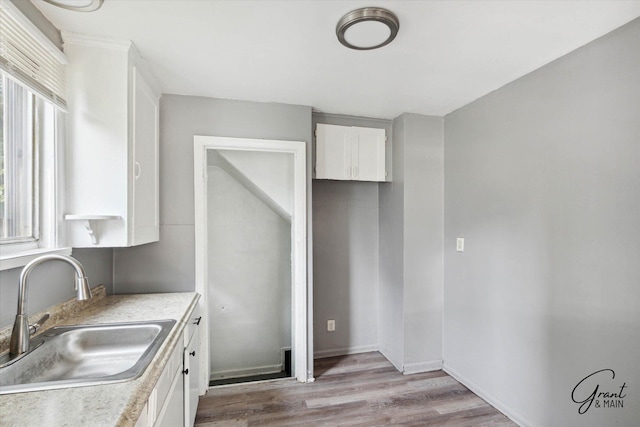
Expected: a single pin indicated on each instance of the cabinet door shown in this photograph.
(172, 414)
(368, 148)
(191, 383)
(350, 153)
(333, 152)
(144, 217)
(144, 420)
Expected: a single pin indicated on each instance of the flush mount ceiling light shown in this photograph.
(77, 5)
(367, 28)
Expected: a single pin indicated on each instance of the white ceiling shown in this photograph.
(446, 54)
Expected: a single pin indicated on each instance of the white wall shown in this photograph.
(542, 179)
(271, 172)
(249, 275)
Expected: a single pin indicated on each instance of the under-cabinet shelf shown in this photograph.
(89, 224)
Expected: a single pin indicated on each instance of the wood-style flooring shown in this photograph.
(357, 390)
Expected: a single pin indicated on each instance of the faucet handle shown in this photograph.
(34, 328)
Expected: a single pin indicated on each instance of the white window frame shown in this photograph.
(49, 179)
(49, 163)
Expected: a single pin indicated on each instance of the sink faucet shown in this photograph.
(21, 334)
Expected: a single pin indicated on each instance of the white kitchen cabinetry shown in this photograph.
(112, 146)
(174, 399)
(170, 409)
(350, 153)
(165, 405)
(191, 370)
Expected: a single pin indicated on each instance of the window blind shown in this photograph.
(29, 57)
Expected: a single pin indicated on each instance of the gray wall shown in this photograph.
(411, 239)
(391, 269)
(346, 255)
(542, 178)
(52, 282)
(423, 241)
(168, 265)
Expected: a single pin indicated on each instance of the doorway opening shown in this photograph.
(251, 258)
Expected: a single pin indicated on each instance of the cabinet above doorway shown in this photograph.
(350, 153)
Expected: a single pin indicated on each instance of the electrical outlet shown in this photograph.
(331, 325)
(460, 244)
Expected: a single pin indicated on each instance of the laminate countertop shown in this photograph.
(112, 405)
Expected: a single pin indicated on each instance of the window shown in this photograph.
(28, 172)
(32, 114)
(18, 171)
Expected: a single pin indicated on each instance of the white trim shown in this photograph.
(420, 367)
(321, 354)
(21, 259)
(508, 411)
(300, 285)
(385, 353)
(78, 39)
(69, 37)
(50, 184)
(239, 373)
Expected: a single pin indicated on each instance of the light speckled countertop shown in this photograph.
(110, 405)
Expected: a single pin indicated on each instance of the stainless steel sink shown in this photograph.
(74, 356)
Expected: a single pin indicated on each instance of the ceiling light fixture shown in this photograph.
(367, 28)
(77, 5)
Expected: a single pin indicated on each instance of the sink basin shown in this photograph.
(74, 356)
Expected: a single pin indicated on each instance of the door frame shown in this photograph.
(299, 318)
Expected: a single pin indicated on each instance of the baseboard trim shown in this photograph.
(239, 373)
(508, 411)
(420, 367)
(321, 354)
(387, 356)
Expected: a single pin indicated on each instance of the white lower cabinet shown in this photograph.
(191, 375)
(174, 400)
(171, 413)
(166, 400)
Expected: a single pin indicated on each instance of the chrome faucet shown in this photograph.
(21, 334)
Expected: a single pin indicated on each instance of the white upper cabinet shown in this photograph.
(112, 146)
(350, 153)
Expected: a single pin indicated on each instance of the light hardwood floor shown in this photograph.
(357, 390)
